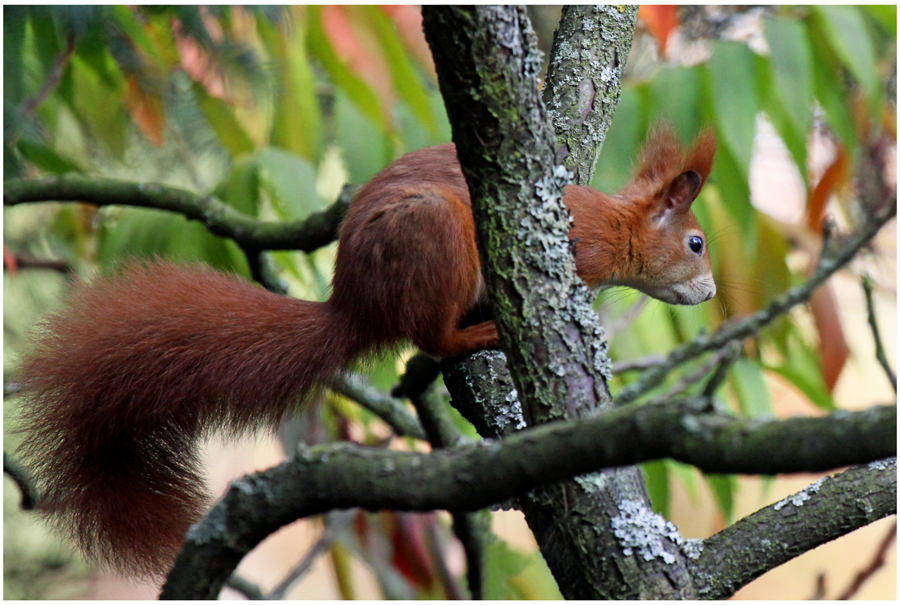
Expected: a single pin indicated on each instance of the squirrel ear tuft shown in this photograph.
(683, 190)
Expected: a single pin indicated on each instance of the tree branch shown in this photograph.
(487, 69)
(876, 334)
(306, 235)
(473, 476)
(826, 510)
(390, 410)
(581, 90)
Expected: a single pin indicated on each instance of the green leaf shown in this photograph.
(100, 107)
(146, 234)
(831, 94)
(136, 33)
(687, 476)
(790, 61)
(802, 368)
(297, 124)
(791, 69)
(14, 23)
(616, 163)
(657, 476)
(846, 33)
(735, 196)
(732, 79)
(771, 270)
(93, 51)
(355, 88)
(240, 188)
(45, 23)
(294, 179)
(364, 146)
(223, 122)
(723, 488)
(750, 387)
(404, 76)
(133, 233)
(675, 98)
(46, 158)
(514, 575)
(885, 15)
(409, 128)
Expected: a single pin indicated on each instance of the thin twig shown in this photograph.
(626, 318)
(877, 563)
(421, 371)
(335, 523)
(725, 360)
(245, 587)
(720, 362)
(29, 106)
(820, 590)
(392, 411)
(27, 261)
(470, 528)
(20, 476)
(434, 540)
(642, 363)
(264, 273)
(868, 286)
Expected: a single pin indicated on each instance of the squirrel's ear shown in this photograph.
(683, 190)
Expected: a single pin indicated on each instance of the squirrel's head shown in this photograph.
(673, 262)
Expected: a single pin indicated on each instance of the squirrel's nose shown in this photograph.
(711, 294)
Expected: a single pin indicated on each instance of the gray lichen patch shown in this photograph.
(508, 416)
(692, 548)
(883, 465)
(641, 531)
(593, 482)
(802, 496)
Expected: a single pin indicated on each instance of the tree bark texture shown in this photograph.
(581, 91)
(487, 69)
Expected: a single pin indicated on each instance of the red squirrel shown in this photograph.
(125, 380)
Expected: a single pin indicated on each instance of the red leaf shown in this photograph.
(410, 552)
(9, 261)
(660, 21)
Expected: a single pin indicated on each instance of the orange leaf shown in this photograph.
(833, 349)
(660, 21)
(147, 110)
(833, 177)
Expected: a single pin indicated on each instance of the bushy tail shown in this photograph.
(125, 380)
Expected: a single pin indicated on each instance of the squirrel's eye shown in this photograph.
(695, 244)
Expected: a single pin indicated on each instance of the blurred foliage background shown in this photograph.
(273, 109)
